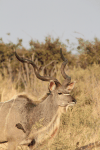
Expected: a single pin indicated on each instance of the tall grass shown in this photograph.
(81, 124)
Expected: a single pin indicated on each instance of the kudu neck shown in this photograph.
(48, 108)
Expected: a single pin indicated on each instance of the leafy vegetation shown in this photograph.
(90, 52)
(80, 125)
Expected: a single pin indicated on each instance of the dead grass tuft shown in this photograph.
(81, 124)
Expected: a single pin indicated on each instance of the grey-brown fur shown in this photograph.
(24, 122)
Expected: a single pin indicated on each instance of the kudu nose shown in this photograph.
(74, 100)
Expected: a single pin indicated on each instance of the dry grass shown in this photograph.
(81, 124)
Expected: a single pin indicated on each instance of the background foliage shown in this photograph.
(81, 124)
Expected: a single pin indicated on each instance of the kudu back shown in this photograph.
(23, 122)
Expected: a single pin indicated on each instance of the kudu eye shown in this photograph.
(59, 93)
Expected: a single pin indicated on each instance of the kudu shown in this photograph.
(23, 122)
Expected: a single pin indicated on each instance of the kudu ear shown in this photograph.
(70, 86)
(52, 85)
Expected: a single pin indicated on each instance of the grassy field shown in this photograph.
(81, 124)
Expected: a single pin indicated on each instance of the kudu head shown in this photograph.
(60, 92)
